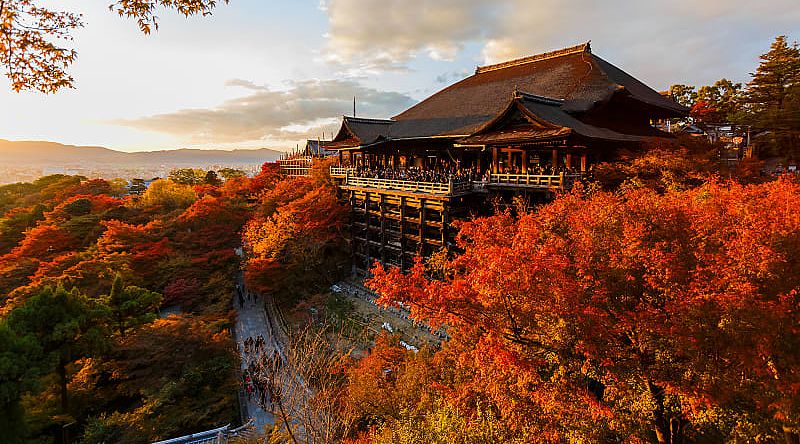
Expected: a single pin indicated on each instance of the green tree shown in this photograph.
(131, 306)
(723, 97)
(137, 187)
(66, 324)
(20, 362)
(187, 176)
(168, 195)
(773, 99)
(230, 173)
(211, 178)
(683, 94)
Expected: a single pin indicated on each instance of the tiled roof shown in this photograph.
(360, 131)
(580, 80)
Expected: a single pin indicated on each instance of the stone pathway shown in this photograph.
(251, 322)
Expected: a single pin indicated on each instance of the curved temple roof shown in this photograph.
(545, 120)
(578, 80)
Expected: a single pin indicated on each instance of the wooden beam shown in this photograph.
(443, 230)
(383, 229)
(353, 216)
(366, 223)
(402, 233)
(421, 245)
(495, 160)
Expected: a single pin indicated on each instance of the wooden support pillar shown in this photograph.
(495, 160)
(421, 246)
(524, 162)
(445, 221)
(479, 167)
(555, 159)
(353, 217)
(583, 163)
(340, 158)
(402, 233)
(509, 163)
(383, 229)
(569, 161)
(366, 234)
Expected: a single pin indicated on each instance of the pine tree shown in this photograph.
(131, 306)
(772, 98)
(67, 326)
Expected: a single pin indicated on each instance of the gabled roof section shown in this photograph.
(358, 131)
(529, 117)
(575, 75)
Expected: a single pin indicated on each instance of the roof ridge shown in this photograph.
(583, 47)
(368, 119)
(537, 98)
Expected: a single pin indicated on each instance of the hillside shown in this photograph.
(52, 154)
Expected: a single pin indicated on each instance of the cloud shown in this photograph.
(303, 110)
(389, 33)
(452, 77)
(660, 38)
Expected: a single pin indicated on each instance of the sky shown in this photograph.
(271, 73)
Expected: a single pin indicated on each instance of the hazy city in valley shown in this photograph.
(390, 222)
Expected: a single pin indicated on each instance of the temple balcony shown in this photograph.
(451, 188)
(544, 182)
(561, 181)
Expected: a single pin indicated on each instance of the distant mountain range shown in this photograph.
(52, 154)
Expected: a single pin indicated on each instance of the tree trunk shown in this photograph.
(62, 380)
(676, 431)
(660, 423)
(790, 437)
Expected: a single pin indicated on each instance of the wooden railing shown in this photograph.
(560, 181)
(452, 187)
(541, 181)
(296, 166)
(340, 172)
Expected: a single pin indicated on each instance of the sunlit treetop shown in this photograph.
(35, 41)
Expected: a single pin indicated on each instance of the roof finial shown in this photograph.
(589, 46)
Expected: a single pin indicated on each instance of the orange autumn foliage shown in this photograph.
(621, 315)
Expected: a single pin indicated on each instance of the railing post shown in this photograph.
(561, 179)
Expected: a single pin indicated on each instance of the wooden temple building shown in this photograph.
(298, 163)
(528, 127)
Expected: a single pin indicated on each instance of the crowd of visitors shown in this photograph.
(447, 174)
(257, 378)
(415, 174)
(262, 361)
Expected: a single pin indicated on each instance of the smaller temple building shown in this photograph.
(528, 127)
